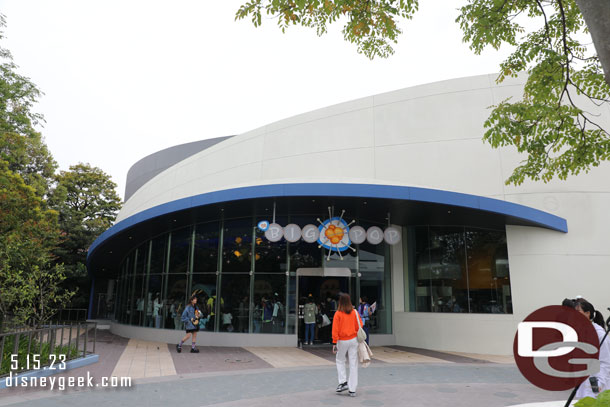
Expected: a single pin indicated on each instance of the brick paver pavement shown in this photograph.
(240, 377)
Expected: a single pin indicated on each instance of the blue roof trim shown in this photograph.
(541, 218)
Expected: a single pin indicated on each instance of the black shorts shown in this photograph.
(190, 331)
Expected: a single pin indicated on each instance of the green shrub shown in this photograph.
(602, 400)
(35, 349)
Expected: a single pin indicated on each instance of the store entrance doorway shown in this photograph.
(324, 286)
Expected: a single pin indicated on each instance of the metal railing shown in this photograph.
(66, 341)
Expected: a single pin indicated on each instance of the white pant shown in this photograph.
(349, 349)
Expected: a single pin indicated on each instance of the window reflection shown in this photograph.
(459, 270)
(179, 251)
(245, 290)
(234, 303)
(270, 257)
(206, 248)
(204, 287)
(237, 246)
(270, 312)
(488, 272)
(375, 282)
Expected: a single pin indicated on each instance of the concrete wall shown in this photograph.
(203, 337)
(222, 338)
(148, 167)
(428, 136)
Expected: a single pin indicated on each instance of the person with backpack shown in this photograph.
(364, 311)
(267, 315)
(190, 317)
(309, 318)
(278, 315)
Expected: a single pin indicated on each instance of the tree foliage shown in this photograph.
(555, 124)
(87, 202)
(372, 25)
(47, 220)
(21, 146)
(30, 284)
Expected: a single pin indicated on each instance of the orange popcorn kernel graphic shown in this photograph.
(334, 234)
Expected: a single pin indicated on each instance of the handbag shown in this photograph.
(361, 333)
(325, 320)
(364, 354)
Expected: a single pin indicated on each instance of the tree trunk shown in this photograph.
(597, 17)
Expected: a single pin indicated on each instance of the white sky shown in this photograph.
(123, 79)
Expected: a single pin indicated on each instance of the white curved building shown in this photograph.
(475, 256)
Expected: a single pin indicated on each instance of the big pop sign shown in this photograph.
(556, 348)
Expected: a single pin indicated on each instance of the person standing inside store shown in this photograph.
(309, 318)
(267, 315)
(364, 311)
(346, 323)
(190, 317)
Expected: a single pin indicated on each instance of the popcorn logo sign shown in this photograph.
(556, 348)
(333, 234)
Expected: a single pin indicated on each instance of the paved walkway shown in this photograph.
(224, 376)
(145, 359)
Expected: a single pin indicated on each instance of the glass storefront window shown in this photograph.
(270, 257)
(237, 246)
(488, 272)
(206, 248)
(304, 255)
(244, 282)
(179, 251)
(375, 285)
(458, 269)
(270, 312)
(447, 271)
(158, 255)
(234, 303)
(154, 309)
(174, 300)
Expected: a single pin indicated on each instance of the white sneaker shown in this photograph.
(341, 387)
(352, 394)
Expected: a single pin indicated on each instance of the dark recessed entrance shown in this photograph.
(324, 285)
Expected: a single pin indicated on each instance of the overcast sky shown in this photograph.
(123, 79)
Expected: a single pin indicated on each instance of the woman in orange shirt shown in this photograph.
(345, 330)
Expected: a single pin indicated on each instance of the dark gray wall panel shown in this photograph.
(148, 167)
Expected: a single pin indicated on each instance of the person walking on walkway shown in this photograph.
(190, 317)
(345, 343)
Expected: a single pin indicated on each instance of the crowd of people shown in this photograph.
(317, 315)
(269, 313)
